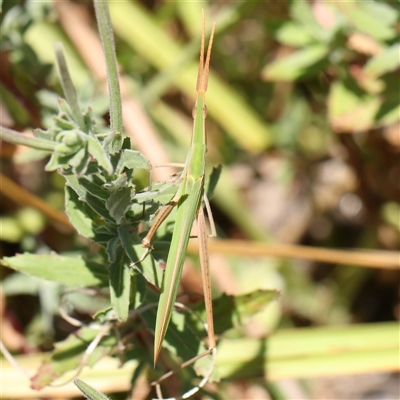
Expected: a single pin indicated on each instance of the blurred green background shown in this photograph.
(303, 114)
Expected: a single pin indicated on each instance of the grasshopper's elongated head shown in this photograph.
(199, 112)
(204, 68)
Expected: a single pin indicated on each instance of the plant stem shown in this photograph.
(107, 40)
(11, 136)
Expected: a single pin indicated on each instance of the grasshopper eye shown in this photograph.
(204, 111)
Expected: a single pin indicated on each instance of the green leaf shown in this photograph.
(89, 392)
(57, 160)
(71, 271)
(77, 214)
(99, 154)
(68, 356)
(80, 162)
(387, 61)
(389, 112)
(94, 187)
(212, 180)
(295, 65)
(294, 34)
(120, 279)
(134, 159)
(118, 203)
(234, 311)
(94, 202)
(67, 85)
(364, 15)
(161, 192)
(302, 12)
(350, 109)
(114, 142)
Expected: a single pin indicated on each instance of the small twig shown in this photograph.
(23, 197)
(357, 257)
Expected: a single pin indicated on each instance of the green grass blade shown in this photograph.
(311, 352)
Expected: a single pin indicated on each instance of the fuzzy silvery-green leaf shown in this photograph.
(66, 150)
(119, 183)
(118, 203)
(64, 123)
(296, 64)
(94, 186)
(64, 107)
(104, 234)
(57, 160)
(74, 183)
(49, 134)
(72, 137)
(77, 214)
(99, 154)
(89, 392)
(80, 162)
(120, 279)
(89, 120)
(70, 271)
(97, 204)
(160, 192)
(114, 142)
(78, 158)
(134, 159)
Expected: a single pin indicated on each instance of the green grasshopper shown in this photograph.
(188, 201)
